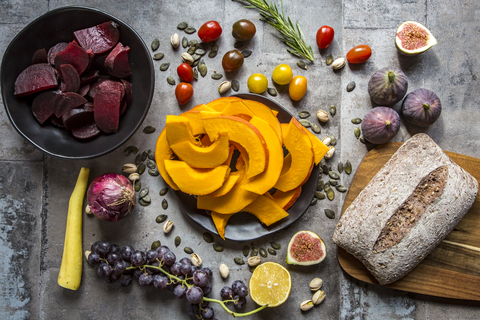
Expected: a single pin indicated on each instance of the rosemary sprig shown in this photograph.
(292, 34)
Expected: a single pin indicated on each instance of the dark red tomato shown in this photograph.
(209, 31)
(243, 30)
(185, 72)
(359, 54)
(232, 60)
(325, 37)
(183, 92)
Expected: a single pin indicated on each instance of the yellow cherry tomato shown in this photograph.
(297, 88)
(282, 74)
(257, 83)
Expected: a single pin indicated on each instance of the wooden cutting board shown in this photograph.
(452, 270)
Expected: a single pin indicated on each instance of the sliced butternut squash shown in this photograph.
(220, 221)
(178, 130)
(286, 199)
(220, 103)
(227, 185)
(162, 153)
(238, 109)
(287, 162)
(196, 181)
(319, 148)
(266, 210)
(233, 201)
(265, 113)
(195, 121)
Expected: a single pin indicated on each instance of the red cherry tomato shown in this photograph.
(324, 37)
(183, 92)
(185, 72)
(209, 31)
(359, 54)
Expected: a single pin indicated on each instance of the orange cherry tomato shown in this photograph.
(297, 88)
(183, 92)
(359, 54)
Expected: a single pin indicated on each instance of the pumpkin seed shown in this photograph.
(333, 140)
(330, 194)
(200, 51)
(143, 193)
(348, 167)
(151, 154)
(320, 185)
(203, 70)
(246, 53)
(330, 213)
(164, 66)
(340, 167)
(263, 252)
(191, 50)
(327, 186)
(156, 245)
(246, 251)
(251, 269)
(151, 164)
(161, 218)
(163, 192)
(144, 155)
(188, 250)
(195, 74)
(214, 48)
(147, 199)
(325, 168)
(272, 251)
(141, 168)
(164, 204)
(362, 139)
(201, 62)
(184, 42)
(149, 129)
(254, 252)
(137, 186)
(276, 245)
(305, 123)
(333, 182)
(143, 202)
(333, 175)
(190, 30)
(303, 114)
(333, 110)
(319, 195)
(212, 54)
(196, 57)
(158, 56)
(171, 81)
(217, 247)
(208, 237)
(341, 188)
(302, 65)
(350, 86)
(272, 91)
(217, 76)
(238, 44)
(178, 240)
(239, 261)
(182, 25)
(130, 149)
(313, 202)
(316, 128)
(356, 120)
(153, 172)
(155, 44)
(193, 43)
(235, 85)
(329, 60)
(357, 132)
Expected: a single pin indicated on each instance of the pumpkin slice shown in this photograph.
(233, 201)
(179, 130)
(196, 181)
(287, 162)
(243, 133)
(195, 120)
(266, 210)
(162, 153)
(319, 148)
(220, 103)
(203, 157)
(264, 181)
(300, 147)
(238, 109)
(286, 199)
(265, 113)
(227, 185)
(220, 221)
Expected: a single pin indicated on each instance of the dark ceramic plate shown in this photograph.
(245, 226)
(56, 26)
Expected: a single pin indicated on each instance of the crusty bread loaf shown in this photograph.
(404, 212)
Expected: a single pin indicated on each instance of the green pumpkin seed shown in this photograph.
(341, 188)
(325, 169)
(246, 251)
(215, 47)
(129, 150)
(320, 185)
(333, 175)
(149, 129)
(158, 56)
(208, 237)
(362, 139)
(171, 81)
(182, 25)
(188, 250)
(330, 194)
(239, 261)
(254, 252)
(356, 120)
(333, 182)
(155, 44)
(193, 43)
(196, 57)
(272, 251)
(272, 91)
(143, 193)
(156, 245)
(235, 85)
(350, 86)
(327, 186)
(143, 202)
(238, 44)
(251, 269)
(138, 159)
(333, 110)
(302, 65)
(319, 195)
(137, 185)
(329, 60)
(147, 199)
(203, 70)
(263, 252)
(190, 30)
(164, 66)
(316, 128)
(191, 50)
(161, 218)
(141, 168)
(333, 140)
(195, 74)
(357, 132)
(340, 167)
(144, 155)
(313, 202)
(217, 76)
(330, 213)
(276, 245)
(184, 42)
(217, 247)
(151, 154)
(200, 51)
(153, 172)
(163, 192)
(303, 114)
(201, 62)
(246, 53)
(178, 240)
(348, 167)
(164, 204)
(212, 54)
(151, 164)
(305, 123)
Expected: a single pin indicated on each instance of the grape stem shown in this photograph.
(184, 282)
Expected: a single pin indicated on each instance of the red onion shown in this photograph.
(111, 197)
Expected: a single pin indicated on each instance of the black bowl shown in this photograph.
(56, 26)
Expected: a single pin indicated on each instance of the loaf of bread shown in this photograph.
(406, 210)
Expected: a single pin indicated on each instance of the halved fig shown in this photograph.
(99, 38)
(413, 38)
(74, 55)
(41, 106)
(306, 248)
(35, 78)
(107, 110)
(63, 102)
(40, 56)
(53, 51)
(117, 62)
(70, 78)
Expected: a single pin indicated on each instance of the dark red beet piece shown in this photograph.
(78, 117)
(70, 77)
(84, 89)
(41, 106)
(74, 55)
(106, 85)
(40, 56)
(99, 38)
(117, 62)
(57, 121)
(52, 52)
(127, 86)
(87, 131)
(66, 101)
(89, 76)
(35, 78)
(107, 110)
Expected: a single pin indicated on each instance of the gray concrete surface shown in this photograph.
(35, 188)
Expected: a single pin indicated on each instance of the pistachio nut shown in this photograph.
(224, 272)
(187, 58)
(330, 152)
(306, 305)
(318, 297)
(224, 87)
(326, 141)
(167, 227)
(196, 260)
(88, 210)
(133, 177)
(87, 253)
(316, 284)
(338, 63)
(322, 115)
(254, 261)
(175, 40)
(129, 168)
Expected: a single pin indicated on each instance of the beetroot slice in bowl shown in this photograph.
(40, 56)
(66, 101)
(106, 85)
(107, 110)
(70, 77)
(41, 106)
(35, 78)
(74, 55)
(78, 117)
(53, 51)
(87, 131)
(99, 38)
(89, 76)
(83, 90)
(117, 62)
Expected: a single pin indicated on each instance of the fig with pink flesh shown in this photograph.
(74, 55)
(306, 248)
(99, 38)
(40, 56)
(53, 51)
(117, 62)
(35, 78)
(63, 102)
(380, 125)
(107, 110)
(41, 106)
(70, 78)
(413, 38)
(421, 107)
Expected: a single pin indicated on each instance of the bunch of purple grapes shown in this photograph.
(237, 292)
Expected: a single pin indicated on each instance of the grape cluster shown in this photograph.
(237, 292)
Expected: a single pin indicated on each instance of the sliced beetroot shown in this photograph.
(117, 62)
(99, 38)
(127, 99)
(107, 110)
(87, 131)
(57, 121)
(74, 55)
(78, 117)
(42, 107)
(89, 76)
(84, 89)
(40, 56)
(106, 85)
(91, 56)
(63, 102)
(70, 78)
(35, 78)
(53, 51)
